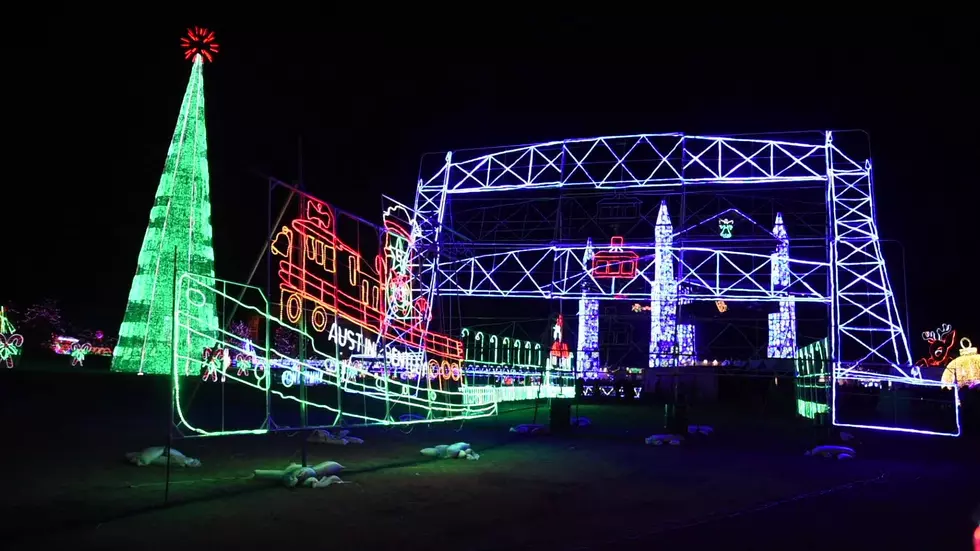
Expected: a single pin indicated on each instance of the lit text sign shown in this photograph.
(352, 340)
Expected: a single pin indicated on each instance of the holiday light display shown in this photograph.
(11, 343)
(663, 303)
(321, 270)
(240, 329)
(375, 312)
(319, 368)
(245, 361)
(503, 369)
(199, 42)
(782, 324)
(866, 338)
(398, 275)
(559, 368)
(45, 314)
(216, 360)
(782, 331)
(941, 343)
(963, 371)
(587, 362)
(178, 237)
(686, 349)
(496, 350)
(63, 345)
(561, 357)
(725, 227)
(78, 353)
(780, 276)
(285, 342)
(615, 262)
(10, 347)
(355, 323)
(812, 379)
(612, 391)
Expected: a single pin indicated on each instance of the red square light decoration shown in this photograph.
(615, 262)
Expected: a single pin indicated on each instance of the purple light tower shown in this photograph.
(782, 324)
(587, 359)
(663, 300)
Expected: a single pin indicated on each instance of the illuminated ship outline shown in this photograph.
(320, 249)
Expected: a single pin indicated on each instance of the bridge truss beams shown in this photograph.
(620, 162)
(865, 328)
(866, 320)
(562, 272)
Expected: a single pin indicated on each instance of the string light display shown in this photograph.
(782, 331)
(612, 391)
(10, 348)
(321, 270)
(381, 348)
(396, 267)
(44, 314)
(199, 42)
(6, 326)
(285, 341)
(240, 329)
(588, 338)
(782, 324)
(63, 346)
(663, 303)
(324, 277)
(561, 357)
(78, 353)
(941, 343)
(725, 227)
(687, 353)
(11, 343)
(496, 350)
(780, 275)
(812, 379)
(614, 262)
(351, 377)
(964, 371)
(180, 221)
(852, 281)
(216, 360)
(502, 369)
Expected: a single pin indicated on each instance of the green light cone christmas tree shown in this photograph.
(180, 221)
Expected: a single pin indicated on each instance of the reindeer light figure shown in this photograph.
(941, 342)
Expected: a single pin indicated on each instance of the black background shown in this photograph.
(94, 118)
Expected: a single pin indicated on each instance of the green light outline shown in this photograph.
(465, 411)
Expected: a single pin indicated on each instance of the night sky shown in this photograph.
(368, 101)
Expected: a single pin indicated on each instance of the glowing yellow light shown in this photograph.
(964, 370)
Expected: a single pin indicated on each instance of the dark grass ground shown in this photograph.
(748, 486)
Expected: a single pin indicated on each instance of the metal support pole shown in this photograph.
(272, 230)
